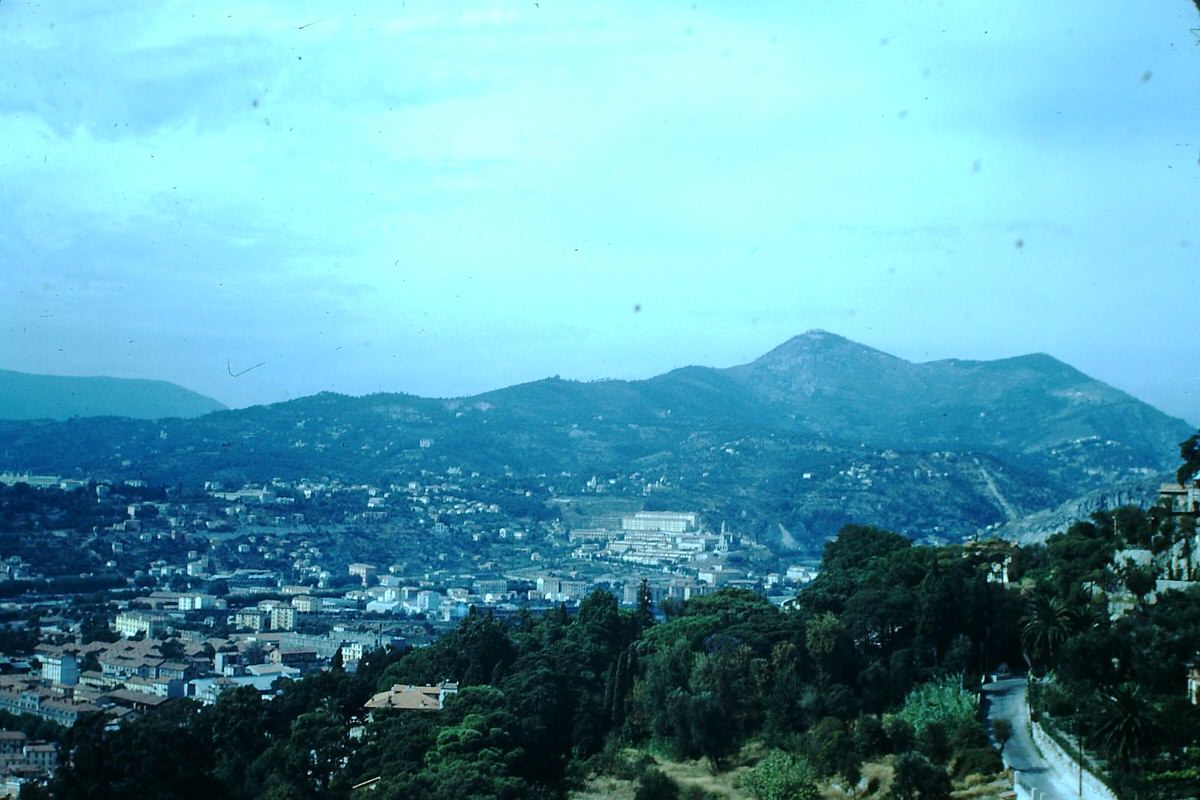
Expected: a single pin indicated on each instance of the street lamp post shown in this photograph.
(1079, 747)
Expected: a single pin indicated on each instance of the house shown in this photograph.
(352, 651)
(60, 668)
(272, 671)
(130, 623)
(303, 660)
(22, 760)
(121, 665)
(1179, 498)
(42, 756)
(207, 690)
(11, 742)
(283, 618)
(366, 572)
(403, 697)
(134, 700)
(30, 697)
(253, 618)
(306, 604)
(200, 602)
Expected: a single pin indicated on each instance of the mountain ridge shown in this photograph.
(29, 396)
(823, 432)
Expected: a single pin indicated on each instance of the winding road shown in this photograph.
(1006, 700)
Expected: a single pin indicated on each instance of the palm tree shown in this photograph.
(1047, 623)
(1127, 725)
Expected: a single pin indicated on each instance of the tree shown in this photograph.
(141, 758)
(94, 628)
(1189, 451)
(171, 649)
(307, 762)
(1140, 581)
(1002, 730)
(654, 784)
(917, 778)
(941, 702)
(599, 621)
(33, 791)
(671, 607)
(473, 755)
(829, 644)
(645, 606)
(712, 734)
(235, 726)
(856, 545)
(1047, 623)
(1127, 727)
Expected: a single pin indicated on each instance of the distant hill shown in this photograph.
(816, 433)
(25, 397)
(1025, 405)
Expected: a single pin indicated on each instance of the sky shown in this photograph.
(260, 201)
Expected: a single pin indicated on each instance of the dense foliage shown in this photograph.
(1115, 644)
(1117, 680)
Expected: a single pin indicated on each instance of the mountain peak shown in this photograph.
(816, 336)
(819, 345)
(818, 333)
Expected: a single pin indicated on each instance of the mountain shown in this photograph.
(1027, 404)
(816, 433)
(25, 397)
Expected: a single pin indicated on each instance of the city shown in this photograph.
(190, 594)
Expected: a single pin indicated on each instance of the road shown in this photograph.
(1006, 700)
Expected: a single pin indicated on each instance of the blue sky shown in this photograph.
(443, 198)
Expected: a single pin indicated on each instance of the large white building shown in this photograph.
(670, 521)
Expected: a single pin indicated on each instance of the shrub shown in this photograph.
(781, 776)
(656, 785)
(918, 778)
(939, 701)
(900, 735)
(977, 761)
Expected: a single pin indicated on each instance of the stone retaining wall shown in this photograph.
(1093, 787)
